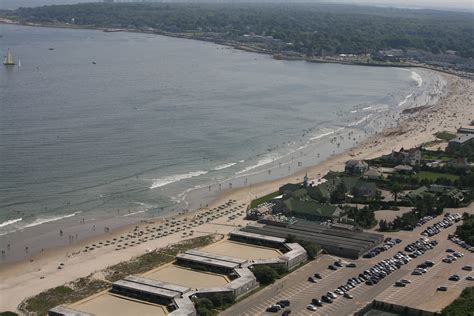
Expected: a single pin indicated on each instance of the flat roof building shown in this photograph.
(350, 244)
(466, 130)
(459, 142)
(214, 264)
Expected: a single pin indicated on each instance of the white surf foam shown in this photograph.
(157, 183)
(405, 100)
(326, 134)
(360, 121)
(9, 222)
(41, 221)
(134, 213)
(260, 163)
(225, 166)
(416, 77)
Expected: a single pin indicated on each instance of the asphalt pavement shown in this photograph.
(421, 293)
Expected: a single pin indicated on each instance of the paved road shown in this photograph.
(422, 292)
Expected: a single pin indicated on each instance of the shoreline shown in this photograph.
(196, 198)
(23, 279)
(48, 238)
(243, 47)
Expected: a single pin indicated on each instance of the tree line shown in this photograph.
(311, 29)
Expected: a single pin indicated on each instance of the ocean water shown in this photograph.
(98, 125)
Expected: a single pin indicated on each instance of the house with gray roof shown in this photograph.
(459, 142)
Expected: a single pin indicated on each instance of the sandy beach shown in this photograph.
(27, 278)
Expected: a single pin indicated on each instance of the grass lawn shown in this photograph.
(447, 136)
(433, 176)
(426, 156)
(263, 199)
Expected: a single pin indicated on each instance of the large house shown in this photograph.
(409, 157)
(459, 142)
(356, 167)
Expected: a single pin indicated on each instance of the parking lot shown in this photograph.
(421, 292)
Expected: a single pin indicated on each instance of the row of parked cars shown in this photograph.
(452, 255)
(419, 247)
(388, 243)
(385, 267)
(424, 220)
(342, 290)
(461, 243)
(422, 268)
(278, 306)
(448, 220)
(375, 274)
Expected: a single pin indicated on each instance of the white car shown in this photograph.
(311, 307)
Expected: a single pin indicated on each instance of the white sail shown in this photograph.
(9, 58)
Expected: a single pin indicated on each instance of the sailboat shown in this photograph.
(8, 61)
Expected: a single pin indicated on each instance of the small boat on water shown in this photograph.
(51, 48)
(9, 61)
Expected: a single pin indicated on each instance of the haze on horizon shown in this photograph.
(458, 5)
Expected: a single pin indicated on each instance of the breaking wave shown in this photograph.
(157, 183)
(9, 222)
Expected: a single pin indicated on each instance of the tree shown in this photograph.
(396, 189)
(204, 307)
(339, 192)
(311, 249)
(383, 225)
(290, 239)
(264, 274)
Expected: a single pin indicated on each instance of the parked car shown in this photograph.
(284, 303)
(442, 288)
(454, 277)
(351, 265)
(326, 299)
(318, 276)
(467, 268)
(316, 302)
(311, 307)
(272, 309)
